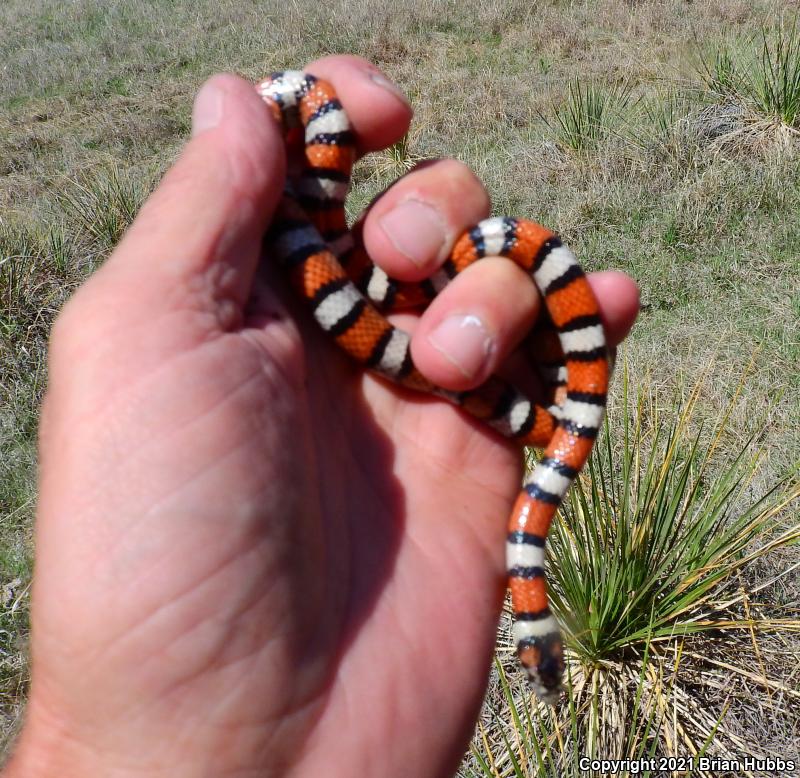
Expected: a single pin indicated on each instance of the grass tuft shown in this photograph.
(103, 205)
(398, 159)
(589, 114)
(758, 80)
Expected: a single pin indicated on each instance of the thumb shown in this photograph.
(196, 241)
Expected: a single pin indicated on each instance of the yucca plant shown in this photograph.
(775, 87)
(588, 114)
(760, 76)
(646, 563)
(640, 554)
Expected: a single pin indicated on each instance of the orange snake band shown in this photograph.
(329, 268)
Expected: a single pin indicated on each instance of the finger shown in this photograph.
(470, 328)
(378, 110)
(410, 229)
(481, 317)
(618, 297)
(196, 241)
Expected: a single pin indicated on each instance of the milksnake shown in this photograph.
(329, 267)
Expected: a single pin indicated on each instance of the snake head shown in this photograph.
(543, 658)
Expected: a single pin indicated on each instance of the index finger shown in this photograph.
(378, 110)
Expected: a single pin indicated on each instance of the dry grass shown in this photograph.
(96, 97)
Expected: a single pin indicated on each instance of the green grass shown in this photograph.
(660, 181)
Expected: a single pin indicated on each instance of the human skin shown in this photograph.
(253, 559)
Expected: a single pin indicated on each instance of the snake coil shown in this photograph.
(330, 269)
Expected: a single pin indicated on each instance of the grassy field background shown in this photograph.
(677, 181)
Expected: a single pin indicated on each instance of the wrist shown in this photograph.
(45, 747)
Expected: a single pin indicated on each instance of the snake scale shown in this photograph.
(329, 267)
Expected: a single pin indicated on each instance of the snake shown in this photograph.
(349, 296)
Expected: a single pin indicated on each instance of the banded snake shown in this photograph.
(329, 267)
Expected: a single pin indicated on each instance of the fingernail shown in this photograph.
(464, 341)
(416, 230)
(207, 109)
(382, 81)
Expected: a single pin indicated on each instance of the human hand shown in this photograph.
(251, 557)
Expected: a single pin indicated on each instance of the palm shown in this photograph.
(316, 543)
